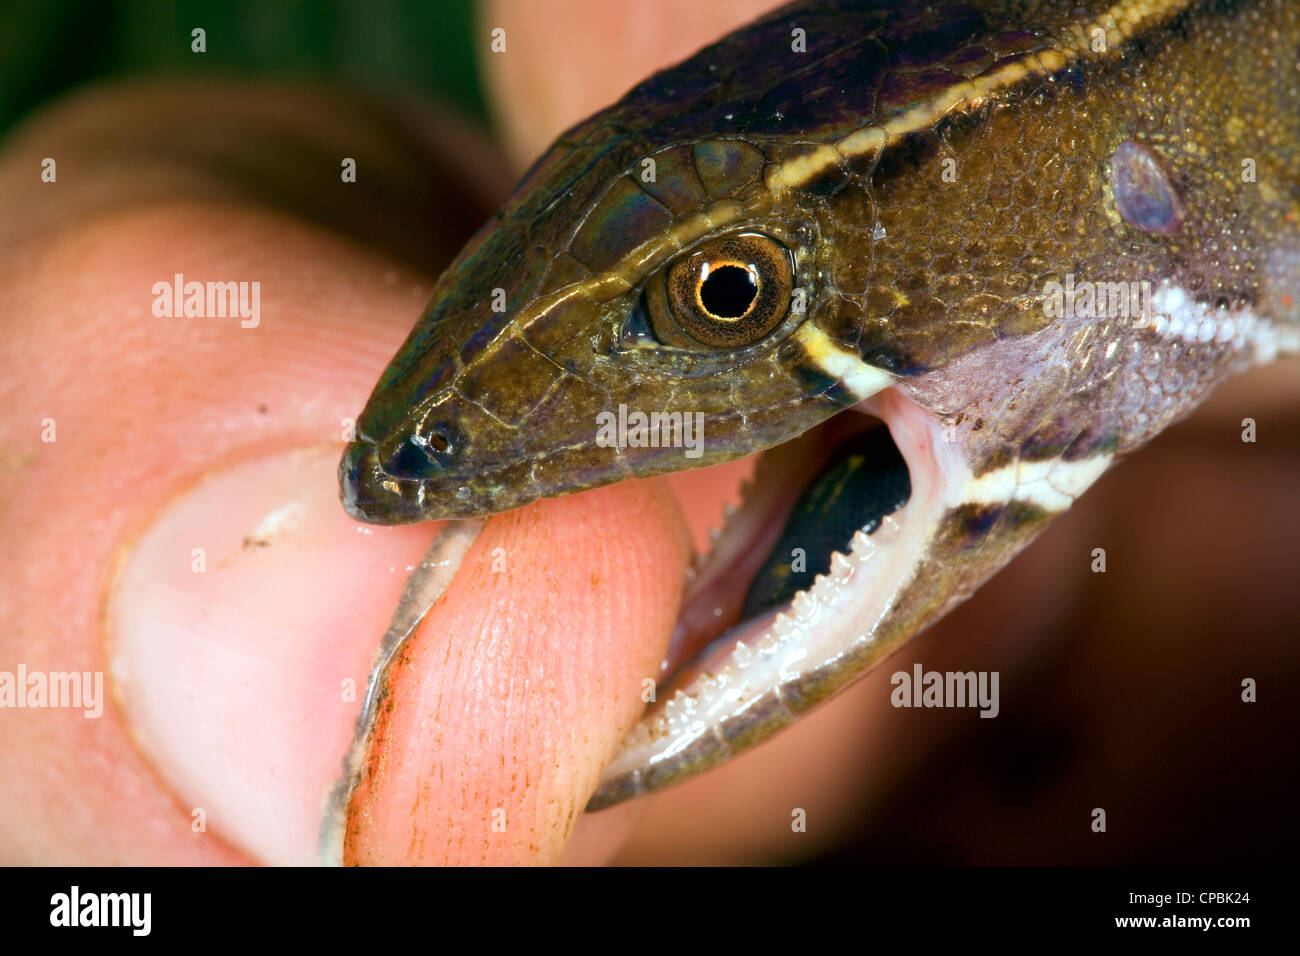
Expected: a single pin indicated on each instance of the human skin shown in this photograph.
(233, 704)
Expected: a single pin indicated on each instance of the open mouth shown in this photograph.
(806, 502)
(813, 579)
(782, 610)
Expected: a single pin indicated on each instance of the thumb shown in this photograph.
(243, 608)
(517, 689)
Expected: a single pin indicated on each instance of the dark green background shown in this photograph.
(48, 47)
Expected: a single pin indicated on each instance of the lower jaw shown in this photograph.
(732, 682)
(718, 604)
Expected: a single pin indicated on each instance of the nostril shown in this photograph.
(442, 441)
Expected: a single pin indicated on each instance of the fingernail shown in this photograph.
(242, 626)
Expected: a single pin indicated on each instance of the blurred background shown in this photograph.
(52, 46)
(1122, 693)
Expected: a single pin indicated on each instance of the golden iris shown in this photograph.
(725, 293)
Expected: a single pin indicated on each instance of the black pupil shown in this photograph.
(728, 292)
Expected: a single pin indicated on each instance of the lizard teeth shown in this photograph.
(841, 567)
(741, 655)
(804, 606)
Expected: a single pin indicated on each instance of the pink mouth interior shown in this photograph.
(735, 533)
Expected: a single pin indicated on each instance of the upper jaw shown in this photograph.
(577, 446)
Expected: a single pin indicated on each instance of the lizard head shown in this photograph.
(1023, 247)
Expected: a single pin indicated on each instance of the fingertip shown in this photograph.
(519, 685)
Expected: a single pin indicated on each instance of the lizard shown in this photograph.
(941, 264)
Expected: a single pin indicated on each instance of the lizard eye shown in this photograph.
(724, 294)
